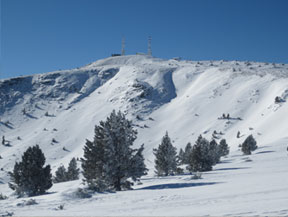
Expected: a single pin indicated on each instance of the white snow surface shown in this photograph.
(185, 98)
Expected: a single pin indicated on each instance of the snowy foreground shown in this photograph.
(184, 97)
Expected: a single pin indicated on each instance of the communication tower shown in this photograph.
(123, 47)
(149, 46)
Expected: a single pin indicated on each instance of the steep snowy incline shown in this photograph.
(58, 111)
(186, 98)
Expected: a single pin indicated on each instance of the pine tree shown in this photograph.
(187, 153)
(29, 176)
(60, 175)
(166, 157)
(137, 165)
(73, 171)
(224, 149)
(200, 159)
(93, 161)
(109, 161)
(180, 157)
(214, 152)
(249, 145)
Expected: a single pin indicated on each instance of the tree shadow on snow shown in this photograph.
(31, 116)
(7, 125)
(264, 152)
(265, 146)
(232, 168)
(225, 161)
(177, 185)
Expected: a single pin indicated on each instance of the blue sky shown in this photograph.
(46, 35)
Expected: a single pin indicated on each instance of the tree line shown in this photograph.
(110, 163)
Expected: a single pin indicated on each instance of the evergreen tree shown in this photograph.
(200, 159)
(93, 161)
(249, 145)
(109, 161)
(29, 176)
(60, 175)
(166, 157)
(187, 153)
(137, 165)
(73, 171)
(180, 158)
(224, 149)
(214, 152)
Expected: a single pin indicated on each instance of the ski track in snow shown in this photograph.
(184, 97)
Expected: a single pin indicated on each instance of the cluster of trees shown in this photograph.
(202, 156)
(63, 175)
(111, 163)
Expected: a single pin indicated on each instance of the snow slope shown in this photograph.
(183, 97)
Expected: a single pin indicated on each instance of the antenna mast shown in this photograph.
(123, 47)
(149, 46)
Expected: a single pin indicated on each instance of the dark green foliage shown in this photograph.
(183, 156)
(92, 161)
(29, 176)
(166, 157)
(223, 148)
(249, 145)
(109, 161)
(179, 171)
(73, 171)
(214, 152)
(180, 157)
(61, 175)
(200, 159)
(137, 165)
(205, 154)
(187, 153)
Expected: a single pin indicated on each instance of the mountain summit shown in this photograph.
(58, 110)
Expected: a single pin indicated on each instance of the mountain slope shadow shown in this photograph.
(177, 185)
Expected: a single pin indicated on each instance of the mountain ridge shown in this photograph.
(59, 110)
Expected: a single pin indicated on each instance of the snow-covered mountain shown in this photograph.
(185, 98)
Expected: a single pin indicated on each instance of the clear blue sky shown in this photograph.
(46, 35)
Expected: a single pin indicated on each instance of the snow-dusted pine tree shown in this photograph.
(93, 161)
(109, 161)
(187, 153)
(249, 145)
(214, 152)
(200, 159)
(60, 175)
(73, 171)
(166, 157)
(29, 176)
(223, 146)
(137, 166)
(180, 157)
